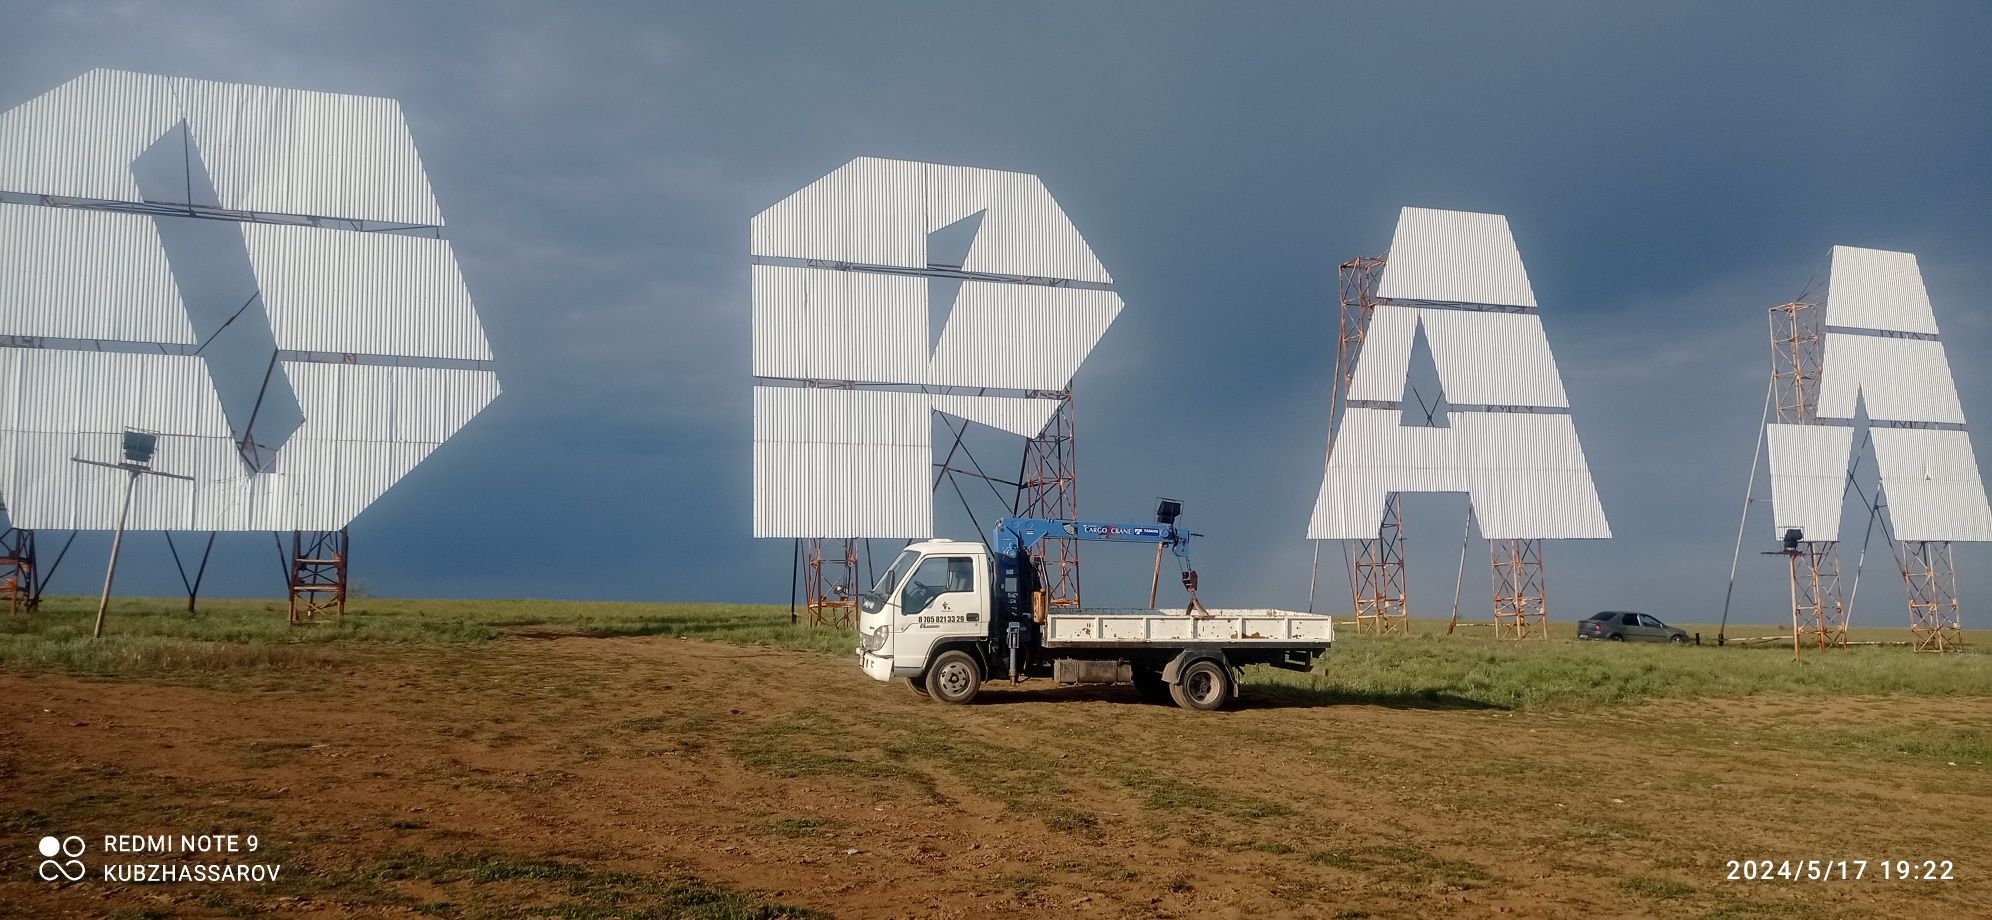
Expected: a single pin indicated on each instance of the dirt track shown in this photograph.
(764, 770)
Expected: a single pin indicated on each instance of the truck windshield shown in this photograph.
(894, 573)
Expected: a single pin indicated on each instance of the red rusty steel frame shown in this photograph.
(1377, 578)
(1818, 611)
(1931, 573)
(1049, 489)
(1819, 615)
(17, 570)
(318, 574)
(1521, 595)
(830, 581)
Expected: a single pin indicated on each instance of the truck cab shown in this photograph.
(937, 591)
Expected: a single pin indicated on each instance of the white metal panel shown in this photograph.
(1020, 335)
(72, 273)
(1455, 257)
(1528, 477)
(1525, 474)
(300, 152)
(823, 324)
(1024, 231)
(1878, 289)
(67, 404)
(266, 149)
(869, 211)
(64, 392)
(1931, 480)
(842, 463)
(1384, 362)
(348, 292)
(1496, 359)
(1021, 416)
(317, 501)
(409, 405)
(80, 138)
(64, 404)
(874, 211)
(1808, 477)
(1903, 380)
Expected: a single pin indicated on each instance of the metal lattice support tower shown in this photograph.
(1819, 615)
(1797, 350)
(1378, 577)
(1818, 612)
(1934, 622)
(17, 570)
(1049, 489)
(830, 581)
(318, 584)
(1377, 580)
(1521, 595)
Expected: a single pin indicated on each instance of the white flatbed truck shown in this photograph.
(949, 615)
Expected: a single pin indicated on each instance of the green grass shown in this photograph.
(587, 892)
(1951, 745)
(154, 636)
(1169, 794)
(1433, 670)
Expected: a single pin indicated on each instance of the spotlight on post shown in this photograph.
(138, 447)
(1168, 511)
(1791, 538)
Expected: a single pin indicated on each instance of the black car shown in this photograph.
(1621, 626)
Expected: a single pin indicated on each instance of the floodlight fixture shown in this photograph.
(139, 446)
(1791, 537)
(1168, 511)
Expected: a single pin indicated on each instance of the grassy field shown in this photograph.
(548, 759)
(152, 636)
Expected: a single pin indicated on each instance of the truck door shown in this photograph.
(945, 598)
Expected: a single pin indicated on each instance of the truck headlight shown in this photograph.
(874, 640)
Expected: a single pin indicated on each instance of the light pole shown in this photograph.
(138, 449)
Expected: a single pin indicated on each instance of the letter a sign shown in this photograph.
(1509, 442)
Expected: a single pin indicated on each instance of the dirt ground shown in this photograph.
(571, 776)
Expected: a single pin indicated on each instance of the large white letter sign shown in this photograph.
(1510, 443)
(373, 326)
(840, 278)
(1882, 351)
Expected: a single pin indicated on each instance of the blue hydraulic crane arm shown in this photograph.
(1015, 534)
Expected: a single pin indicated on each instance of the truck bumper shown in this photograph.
(878, 668)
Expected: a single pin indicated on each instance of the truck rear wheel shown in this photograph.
(914, 684)
(954, 677)
(1204, 685)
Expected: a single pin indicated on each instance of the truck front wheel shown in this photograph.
(1204, 685)
(954, 677)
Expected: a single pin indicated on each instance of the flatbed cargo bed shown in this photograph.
(1257, 627)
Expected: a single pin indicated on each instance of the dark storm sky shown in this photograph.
(1670, 170)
